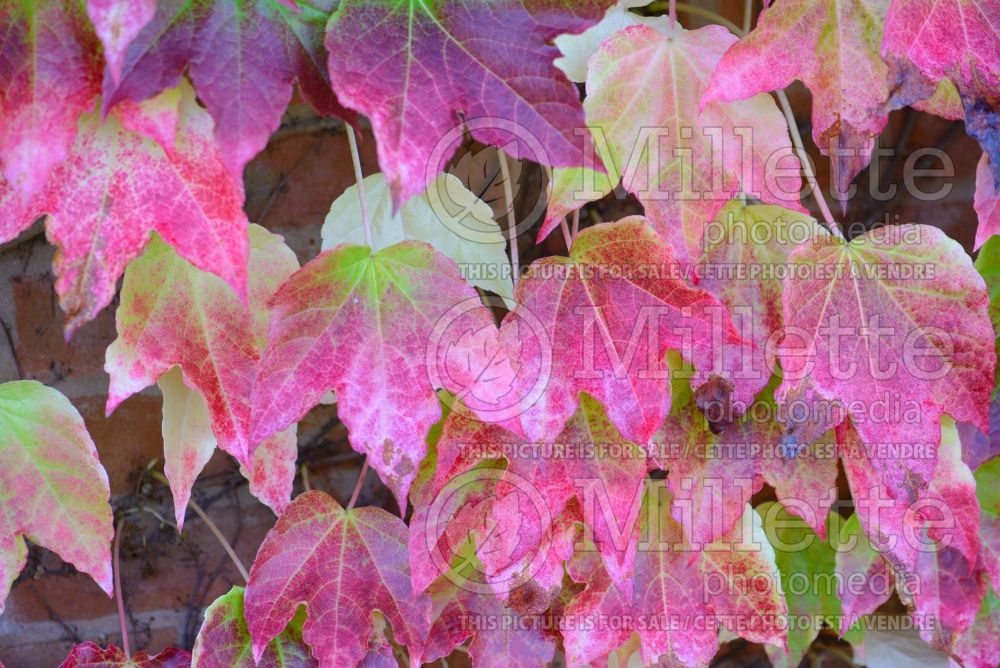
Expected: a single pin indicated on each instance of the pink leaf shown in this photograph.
(678, 593)
(117, 187)
(929, 535)
(341, 565)
(891, 329)
(173, 314)
(55, 490)
(188, 445)
(837, 57)
(987, 202)
(682, 162)
(50, 74)
(459, 614)
(590, 467)
(610, 311)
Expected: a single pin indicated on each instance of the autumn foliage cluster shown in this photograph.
(575, 446)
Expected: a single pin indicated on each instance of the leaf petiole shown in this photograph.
(352, 139)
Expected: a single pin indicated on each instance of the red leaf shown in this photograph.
(341, 565)
(415, 69)
(89, 655)
(242, 59)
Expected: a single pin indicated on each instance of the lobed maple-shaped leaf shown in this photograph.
(117, 187)
(448, 216)
(54, 490)
(174, 314)
(987, 202)
(610, 311)
(801, 555)
(242, 58)
(681, 160)
(372, 327)
(90, 655)
(672, 606)
(341, 565)
(836, 45)
(904, 525)
(50, 74)
(188, 445)
(858, 562)
(958, 40)
(894, 319)
(419, 69)
(224, 641)
(117, 23)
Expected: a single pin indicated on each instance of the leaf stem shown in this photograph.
(508, 194)
(358, 484)
(747, 15)
(352, 139)
(156, 475)
(119, 599)
(807, 169)
(222, 539)
(673, 14)
(567, 237)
